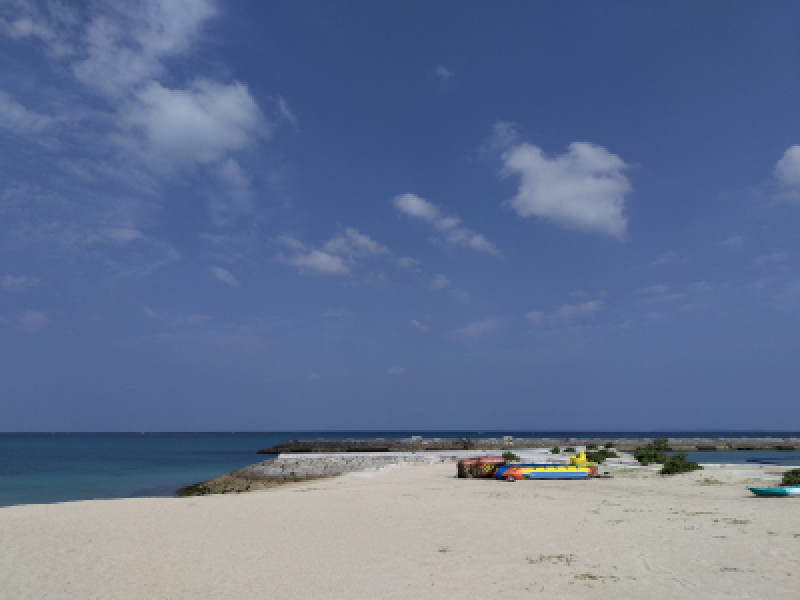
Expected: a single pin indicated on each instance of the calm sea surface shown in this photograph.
(40, 468)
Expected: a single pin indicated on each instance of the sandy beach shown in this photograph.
(417, 532)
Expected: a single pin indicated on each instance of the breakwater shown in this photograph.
(290, 468)
(418, 444)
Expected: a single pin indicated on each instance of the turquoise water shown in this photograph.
(43, 468)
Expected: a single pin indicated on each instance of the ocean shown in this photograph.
(38, 468)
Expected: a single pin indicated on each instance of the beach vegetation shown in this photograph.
(791, 477)
(591, 447)
(556, 450)
(677, 463)
(510, 457)
(654, 452)
(609, 445)
(570, 449)
(599, 456)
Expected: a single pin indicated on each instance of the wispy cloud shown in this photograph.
(396, 370)
(338, 256)
(285, 112)
(17, 118)
(419, 327)
(668, 258)
(225, 276)
(354, 244)
(770, 259)
(444, 76)
(565, 314)
(18, 283)
(449, 228)
(319, 263)
(440, 282)
(32, 320)
(126, 44)
(582, 189)
(477, 330)
(787, 175)
(733, 242)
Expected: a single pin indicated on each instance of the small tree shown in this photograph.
(591, 447)
(609, 444)
(570, 449)
(510, 457)
(791, 477)
(555, 450)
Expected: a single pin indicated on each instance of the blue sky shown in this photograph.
(399, 215)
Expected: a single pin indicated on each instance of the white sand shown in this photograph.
(416, 532)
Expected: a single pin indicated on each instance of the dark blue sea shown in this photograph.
(37, 468)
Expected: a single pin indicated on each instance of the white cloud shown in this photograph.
(198, 124)
(440, 282)
(452, 232)
(473, 332)
(443, 75)
(570, 312)
(225, 276)
(565, 314)
(32, 320)
(338, 255)
(320, 263)
(126, 42)
(661, 293)
(354, 244)
(396, 370)
(658, 289)
(19, 119)
(668, 258)
(122, 235)
(770, 259)
(417, 207)
(733, 242)
(291, 242)
(286, 113)
(419, 327)
(787, 174)
(583, 189)
(18, 283)
(406, 263)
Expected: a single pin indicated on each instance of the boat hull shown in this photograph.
(791, 490)
(544, 471)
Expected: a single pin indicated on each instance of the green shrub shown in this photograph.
(510, 457)
(555, 450)
(570, 449)
(598, 456)
(659, 444)
(591, 447)
(649, 455)
(609, 444)
(791, 477)
(677, 463)
(654, 452)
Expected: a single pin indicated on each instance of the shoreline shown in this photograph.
(416, 531)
